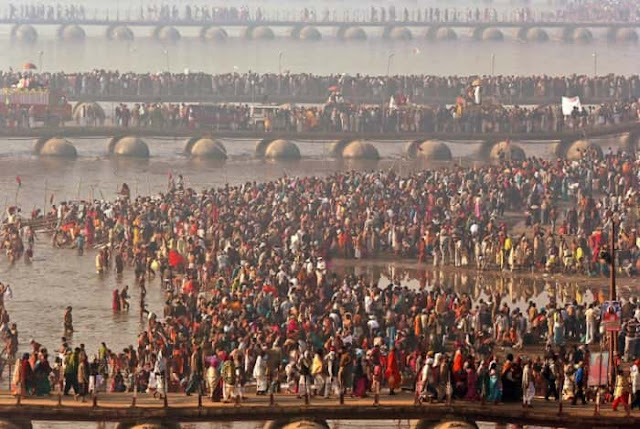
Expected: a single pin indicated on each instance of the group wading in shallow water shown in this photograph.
(253, 299)
(533, 215)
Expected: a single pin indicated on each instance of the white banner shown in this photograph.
(392, 103)
(568, 103)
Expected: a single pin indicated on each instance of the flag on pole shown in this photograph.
(51, 199)
(19, 181)
(392, 103)
(568, 103)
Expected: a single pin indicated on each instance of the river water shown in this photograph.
(329, 55)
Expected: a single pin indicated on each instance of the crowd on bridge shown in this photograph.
(347, 118)
(252, 297)
(308, 87)
(46, 12)
(574, 11)
(600, 11)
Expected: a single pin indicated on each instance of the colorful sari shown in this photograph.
(392, 373)
(494, 386)
(359, 381)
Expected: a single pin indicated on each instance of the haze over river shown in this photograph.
(329, 55)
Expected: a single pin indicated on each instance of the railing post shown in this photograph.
(60, 399)
(95, 400)
(199, 400)
(165, 389)
(376, 399)
(135, 391)
(237, 403)
(341, 397)
(449, 393)
(596, 409)
(560, 394)
(306, 397)
(560, 405)
(272, 401)
(18, 399)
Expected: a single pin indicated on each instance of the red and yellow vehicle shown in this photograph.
(39, 104)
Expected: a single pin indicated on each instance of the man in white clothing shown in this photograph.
(528, 387)
(635, 383)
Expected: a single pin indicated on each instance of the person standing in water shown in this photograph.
(68, 321)
(124, 298)
(143, 304)
(116, 301)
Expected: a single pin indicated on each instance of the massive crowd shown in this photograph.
(308, 87)
(251, 296)
(600, 11)
(348, 118)
(567, 210)
(575, 11)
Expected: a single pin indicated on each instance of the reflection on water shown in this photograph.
(517, 290)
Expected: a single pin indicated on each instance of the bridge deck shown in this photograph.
(276, 99)
(183, 132)
(117, 407)
(191, 23)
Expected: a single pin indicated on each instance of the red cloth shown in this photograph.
(392, 373)
(175, 259)
(188, 287)
(115, 301)
(457, 362)
(269, 289)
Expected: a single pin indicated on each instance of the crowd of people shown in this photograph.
(256, 300)
(308, 87)
(45, 12)
(575, 11)
(600, 11)
(396, 101)
(348, 118)
(564, 212)
(252, 299)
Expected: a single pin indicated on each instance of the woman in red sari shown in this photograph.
(115, 301)
(392, 372)
(458, 362)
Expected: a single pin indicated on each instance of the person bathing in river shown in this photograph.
(116, 301)
(68, 320)
(124, 298)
